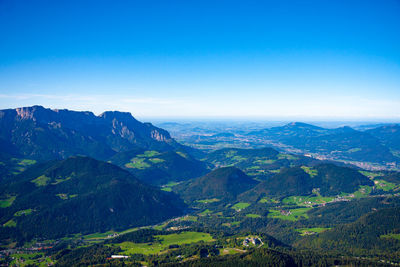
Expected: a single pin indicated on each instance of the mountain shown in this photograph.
(376, 231)
(42, 134)
(289, 182)
(223, 183)
(342, 143)
(333, 180)
(159, 168)
(388, 134)
(80, 195)
(328, 179)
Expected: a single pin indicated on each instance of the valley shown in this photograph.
(147, 200)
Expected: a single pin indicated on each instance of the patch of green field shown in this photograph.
(31, 259)
(275, 171)
(7, 202)
(228, 251)
(371, 175)
(184, 155)
(98, 235)
(239, 158)
(253, 215)
(26, 162)
(268, 200)
(166, 189)
(385, 186)
(10, 223)
(230, 153)
(41, 181)
(364, 191)
(290, 215)
(207, 211)
(353, 150)
(164, 241)
(306, 200)
(308, 231)
(287, 156)
(137, 163)
(393, 236)
(148, 154)
(206, 201)
(60, 180)
(253, 168)
(310, 171)
(189, 218)
(66, 196)
(265, 161)
(240, 206)
(23, 212)
(156, 160)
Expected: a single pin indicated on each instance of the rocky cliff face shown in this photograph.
(43, 134)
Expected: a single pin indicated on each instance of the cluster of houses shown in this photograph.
(251, 240)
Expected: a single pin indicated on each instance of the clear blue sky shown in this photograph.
(261, 59)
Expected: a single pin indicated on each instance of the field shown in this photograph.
(290, 215)
(240, 206)
(206, 201)
(385, 186)
(308, 231)
(168, 187)
(394, 236)
(41, 180)
(306, 200)
(312, 172)
(23, 212)
(7, 202)
(253, 215)
(164, 241)
(32, 259)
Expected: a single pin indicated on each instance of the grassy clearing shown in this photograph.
(10, 223)
(183, 155)
(206, 201)
(148, 154)
(41, 181)
(26, 162)
(290, 215)
(268, 200)
(23, 212)
(310, 171)
(98, 235)
(310, 231)
(32, 259)
(371, 175)
(393, 236)
(228, 251)
(206, 212)
(306, 200)
(253, 215)
(60, 180)
(189, 218)
(287, 156)
(265, 161)
(364, 191)
(168, 187)
(7, 202)
(164, 241)
(156, 160)
(240, 206)
(385, 186)
(137, 163)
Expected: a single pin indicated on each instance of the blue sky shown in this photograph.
(243, 59)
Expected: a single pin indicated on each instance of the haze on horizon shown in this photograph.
(333, 60)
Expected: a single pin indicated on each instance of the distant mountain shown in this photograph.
(159, 168)
(80, 195)
(43, 134)
(389, 135)
(342, 143)
(223, 183)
